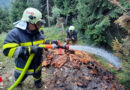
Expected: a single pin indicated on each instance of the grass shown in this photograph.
(54, 33)
(2, 57)
(121, 76)
(2, 37)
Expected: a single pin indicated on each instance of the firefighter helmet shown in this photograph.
(31, 15)
(71, 28)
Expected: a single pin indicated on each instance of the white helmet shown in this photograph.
(31, 15)
(71, 28)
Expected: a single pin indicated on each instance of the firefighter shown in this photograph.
(41, 30)
(23, 40)
(42, 23)
(71, 35)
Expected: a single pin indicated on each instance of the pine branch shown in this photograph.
(115, 2)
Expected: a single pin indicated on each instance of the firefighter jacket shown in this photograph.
(72, 36)
(17, 38)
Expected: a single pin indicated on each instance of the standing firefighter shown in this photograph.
(23, 40)
(71, 35)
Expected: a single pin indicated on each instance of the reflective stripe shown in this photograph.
(42, 45)
(34, 43)
(40, 29)
(29, 70)
(26, 44)
(39, 67)
(38, 42)
(29, 49)
(37, 78)
(21, 72)
(10, 45)
(11, 52)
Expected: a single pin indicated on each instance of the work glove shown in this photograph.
(21, 52)
(54, 46)
(56, 43)
(72, 38)
(36, 50)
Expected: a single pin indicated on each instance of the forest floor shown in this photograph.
(72, 70)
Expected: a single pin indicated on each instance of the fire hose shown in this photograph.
(29, 62)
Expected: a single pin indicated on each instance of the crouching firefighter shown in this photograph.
(23, 40)
(71, 35)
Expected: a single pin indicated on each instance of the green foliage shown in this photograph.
(56, 12)
(18, 7)
(10, 15)
(95, 21)
(97, 35)
(67, 6)
(54, 33)
(3, 35)
(4, 20)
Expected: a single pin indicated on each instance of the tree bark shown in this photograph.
(66, 20)
(48, 12)
(62, 27)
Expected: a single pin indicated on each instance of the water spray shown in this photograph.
(98, 51)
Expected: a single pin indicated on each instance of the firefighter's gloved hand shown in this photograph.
(36, 50)
(56, 43)
(56, 46)
(72, 38)
(21, 52)
(47, 42)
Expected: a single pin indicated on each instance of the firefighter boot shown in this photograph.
(38, 83)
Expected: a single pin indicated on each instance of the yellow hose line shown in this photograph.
(23, 72)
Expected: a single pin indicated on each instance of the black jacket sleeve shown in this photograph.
(74, 35)
(10, 43)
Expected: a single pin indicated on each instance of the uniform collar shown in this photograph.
(21, 24)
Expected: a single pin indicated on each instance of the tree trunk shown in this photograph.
(62, 27)
(66, 20)
(48, 12)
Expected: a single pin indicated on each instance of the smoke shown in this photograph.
(100, 52)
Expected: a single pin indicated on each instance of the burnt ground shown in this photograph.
(76, 70)
(72, 70)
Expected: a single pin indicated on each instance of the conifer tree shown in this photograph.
(95, 20)
(18, 7)
(4, 20)
(67, 8)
